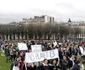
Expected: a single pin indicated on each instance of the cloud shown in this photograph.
(15, 10)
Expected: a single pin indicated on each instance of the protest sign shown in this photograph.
(82, 50)
(54, 43)
(22, 46)
(36, 48)
(40, 56)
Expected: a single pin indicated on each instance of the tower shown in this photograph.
(69, 21)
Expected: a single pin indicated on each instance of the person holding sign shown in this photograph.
(44, 66)
(54, 65)
(64, 63)
(29, 66)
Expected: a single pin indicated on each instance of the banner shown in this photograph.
(36, 48)
(40, 56)
(22, 46)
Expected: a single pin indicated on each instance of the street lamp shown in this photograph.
(59, 32)
(20, 25)
(69, 22)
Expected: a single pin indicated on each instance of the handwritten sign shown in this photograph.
(36, 48)
(40, 56)
(22, 46)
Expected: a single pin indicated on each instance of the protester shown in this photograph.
(81, 63)
(3, 49)
(71, 61)
(14, 53)
(7, 53)
(44, 66)
(55, 65)
(11, 52)
(16, 64)
(64, 63)
(76, 66)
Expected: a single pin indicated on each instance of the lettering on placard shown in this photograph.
(37, 56)
(42, 55)
(32, 57)
(52, 54)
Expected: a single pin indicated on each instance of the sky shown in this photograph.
(61, 10)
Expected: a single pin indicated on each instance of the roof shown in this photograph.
(82, 24)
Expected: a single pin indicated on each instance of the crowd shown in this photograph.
(70, 55)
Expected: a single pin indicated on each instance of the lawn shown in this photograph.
(3, 64)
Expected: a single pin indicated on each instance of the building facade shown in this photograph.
(39, 19)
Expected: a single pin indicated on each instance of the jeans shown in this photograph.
(7, 58)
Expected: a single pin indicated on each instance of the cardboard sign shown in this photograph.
(36, 48)
(22, 46)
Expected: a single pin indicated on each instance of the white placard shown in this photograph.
(22, 46)
(82, 50)
(36, 48)
(40, 56)
(55, 44)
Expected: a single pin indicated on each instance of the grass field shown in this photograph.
(3, 64)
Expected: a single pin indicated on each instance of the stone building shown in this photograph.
(39, 19)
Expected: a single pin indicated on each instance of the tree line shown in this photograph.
(37, 31)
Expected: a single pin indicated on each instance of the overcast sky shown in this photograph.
(15, 10)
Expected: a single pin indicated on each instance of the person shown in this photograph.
(44, 66)
(71, 61)
(60, 54)
(11, 53)
(16, 64)
(71, 49)
(49, 47)
(14, 53)
(81, 63)
(3, 49)
(33, 66)
(7, 53)
(64, 63)
(67, 52)
(76, 66)
(82, 67)
(82, 49)
(54, 65)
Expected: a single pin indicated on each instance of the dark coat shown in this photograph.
(54, 67)
(70, 64)
(7, 52)
(75, 67)
(29, 68)
(64, 65)
(60, 55)
(43, 67)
